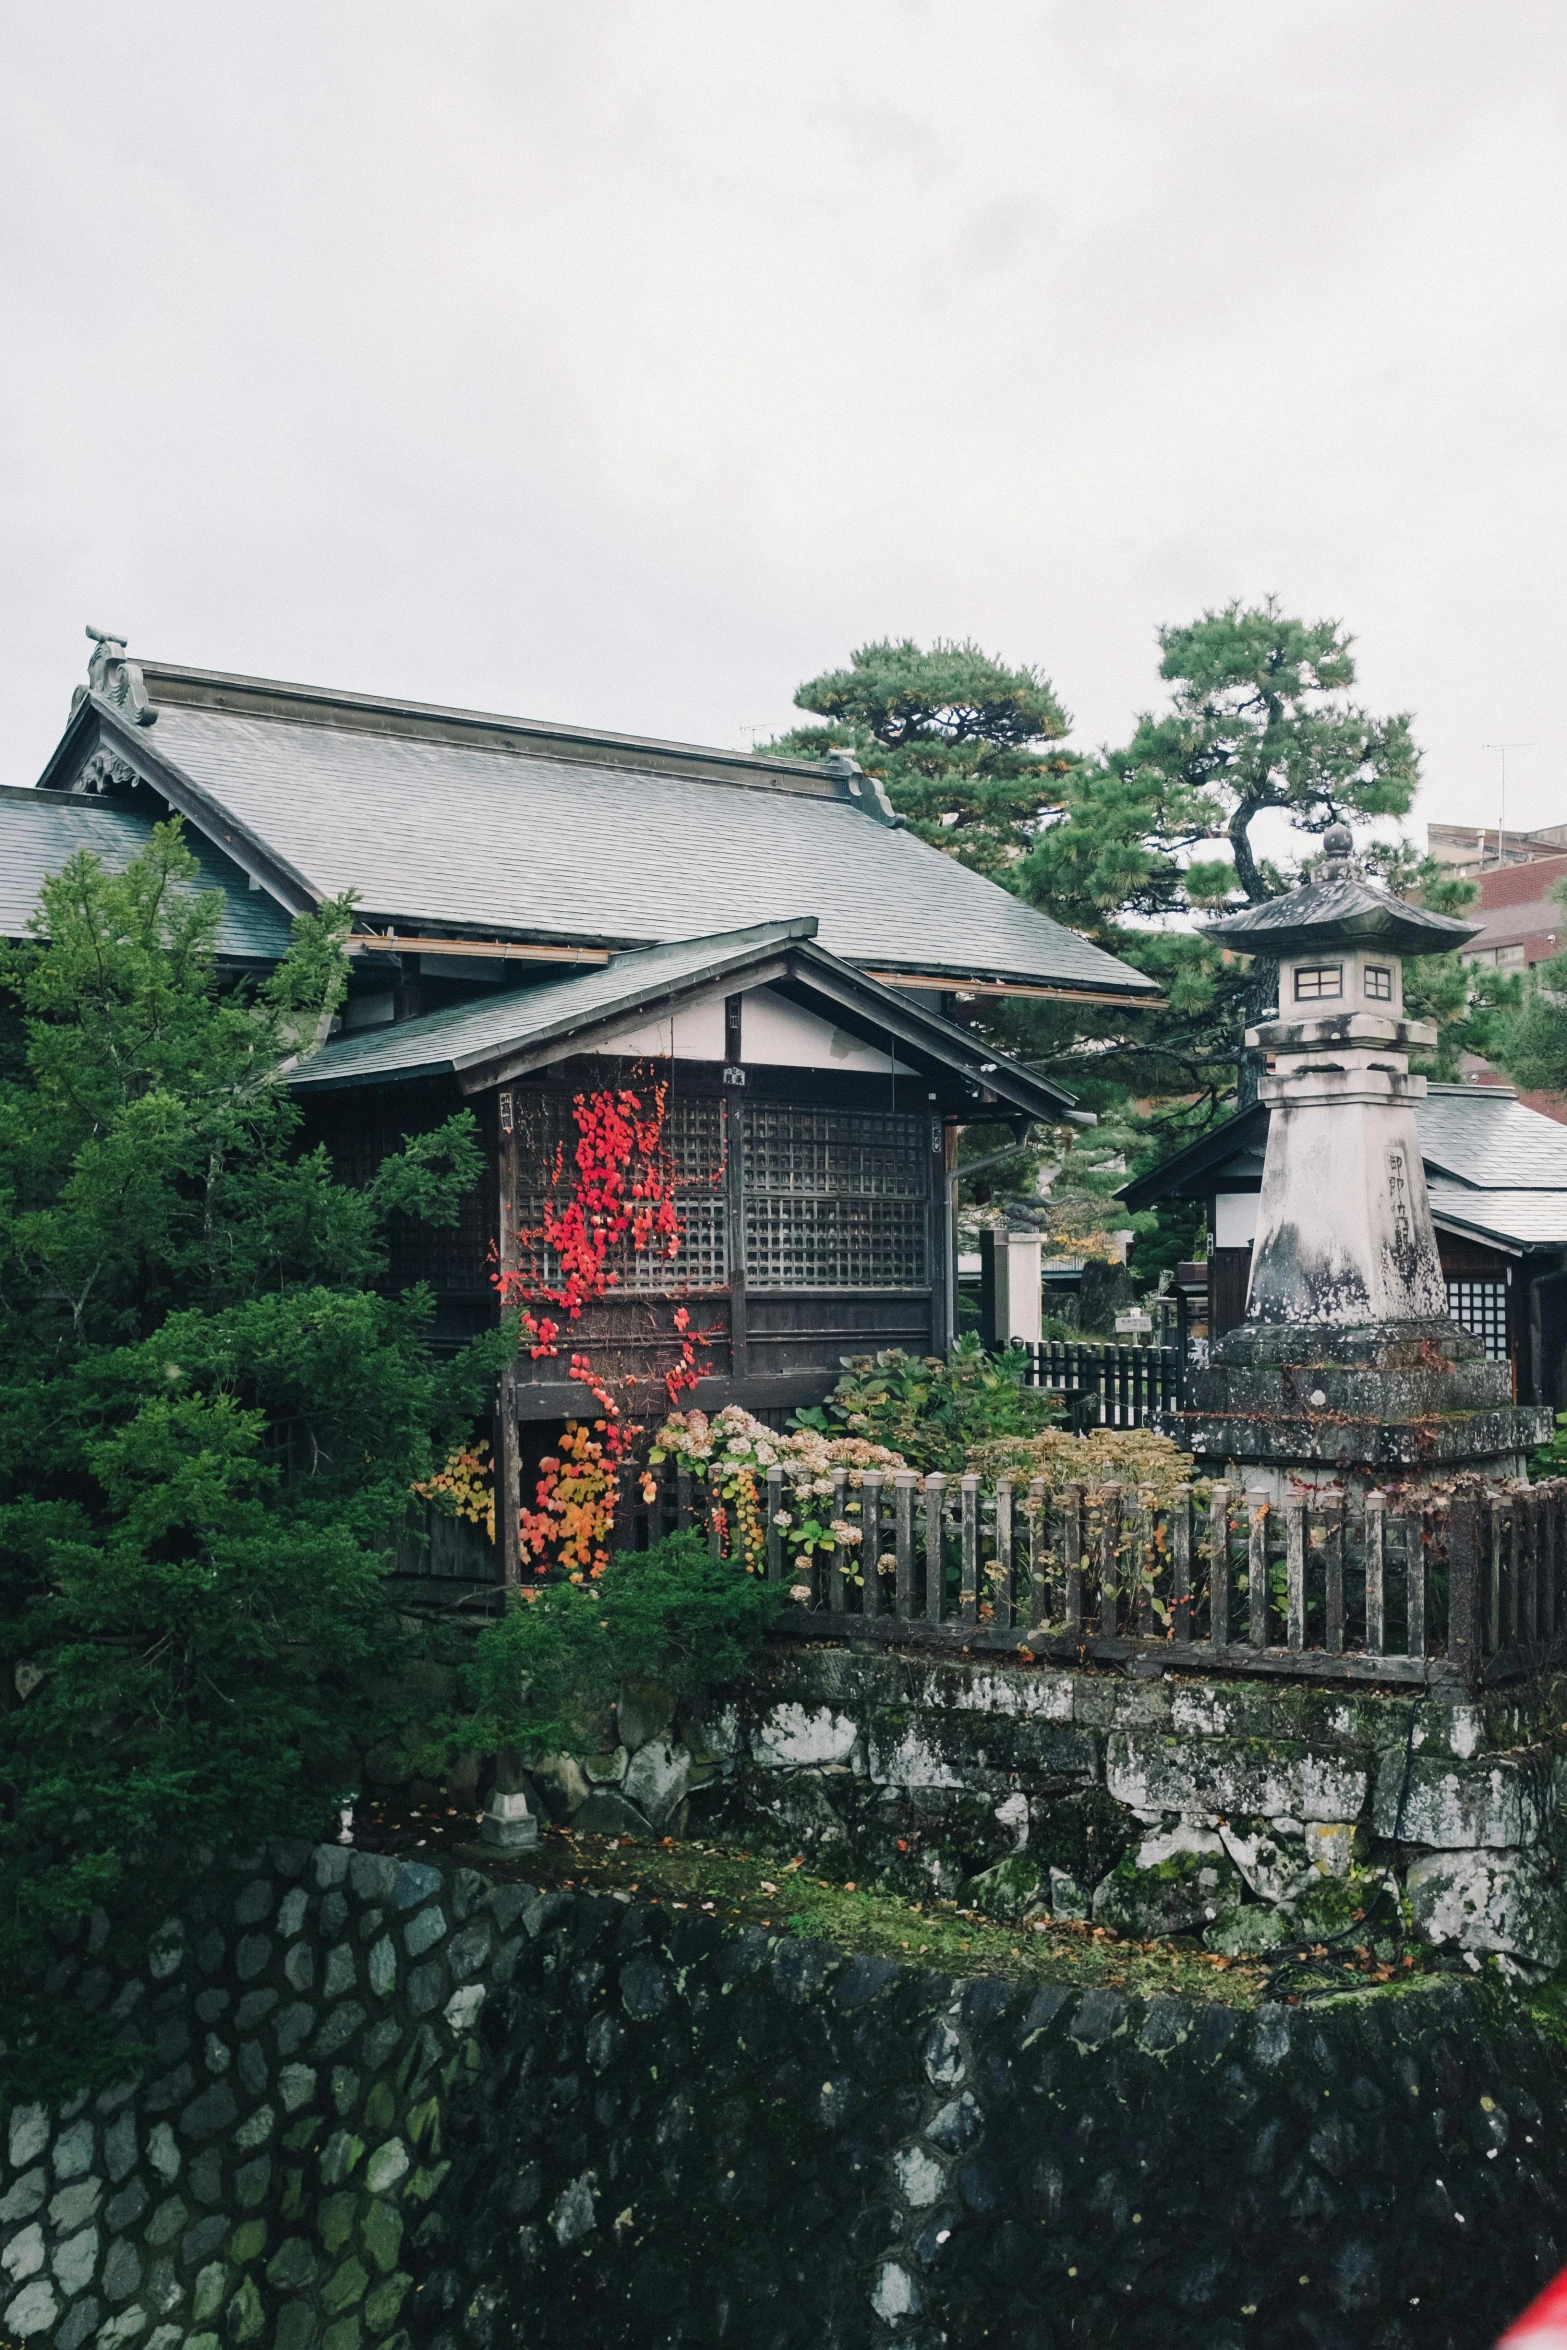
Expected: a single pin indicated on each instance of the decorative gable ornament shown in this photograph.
(104, 771)
(116, 680)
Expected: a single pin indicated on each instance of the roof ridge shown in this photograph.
(281, 701)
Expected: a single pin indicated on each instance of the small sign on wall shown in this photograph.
(1133, 1322)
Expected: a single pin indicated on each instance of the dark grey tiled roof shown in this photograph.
(438, 833)
(1482, 1134)
(1526, 1219)
(40, 830)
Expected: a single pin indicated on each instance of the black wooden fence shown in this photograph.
(1105, 1386)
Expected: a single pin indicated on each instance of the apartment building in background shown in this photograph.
(1520, 919)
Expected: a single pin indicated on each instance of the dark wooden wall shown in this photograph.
(812, 1209)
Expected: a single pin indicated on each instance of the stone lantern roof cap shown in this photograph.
(1343, 907)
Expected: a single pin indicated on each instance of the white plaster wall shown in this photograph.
(1234, 1219)
(774, 1034)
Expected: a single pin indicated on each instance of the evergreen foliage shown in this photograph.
(1533, 1045)
(961, 742)
(543, 1674)
(210, 1412)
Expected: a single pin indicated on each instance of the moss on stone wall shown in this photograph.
(393, 2106)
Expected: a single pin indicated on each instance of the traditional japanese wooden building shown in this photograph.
(546, 910)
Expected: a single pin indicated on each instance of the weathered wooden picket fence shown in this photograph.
(1467, 1590)
(1107, 1386)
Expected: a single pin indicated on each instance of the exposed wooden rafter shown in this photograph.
(494, 950)
(948, 984)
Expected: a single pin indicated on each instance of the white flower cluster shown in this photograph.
(734, 1439)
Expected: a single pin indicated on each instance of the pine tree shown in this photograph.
(962, 743)
(1259, 722)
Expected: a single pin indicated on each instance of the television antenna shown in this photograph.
(1501, 829)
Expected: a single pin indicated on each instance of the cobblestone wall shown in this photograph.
(388, 2106)
(256, 2179)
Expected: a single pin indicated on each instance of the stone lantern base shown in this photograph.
(1288, 1407)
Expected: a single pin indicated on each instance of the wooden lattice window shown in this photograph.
(453, 1258)
(835, 1199)
(1481, 1308)
(693, 1139)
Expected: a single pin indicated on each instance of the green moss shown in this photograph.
(383, 2235)
(380, 2106)
(425, 2182)
(425, 2120)
(335, 2221)
(248, 2241)
(345, 2287)
(387, 2299)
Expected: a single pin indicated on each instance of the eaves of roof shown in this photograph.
(94, 723)
(483, 1045)
(1515, 1221)
(1248, 1128)
(1347, 909)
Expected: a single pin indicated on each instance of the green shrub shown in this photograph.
(934, 1409)
(541, 1678)
(1127, 1456)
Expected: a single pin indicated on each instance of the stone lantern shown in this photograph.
(1348, 1371)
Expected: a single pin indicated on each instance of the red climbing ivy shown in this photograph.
(618, 1191)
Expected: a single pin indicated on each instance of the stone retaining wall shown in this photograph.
(389, 2106)
(1251, 1812)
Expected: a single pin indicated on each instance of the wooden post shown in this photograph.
(1072, 1557)
(1333, 1562)
(733, 1113)
(905, 1483)
(837, 1597)
(1464, 1525)
(970, 1587)
(1502, 1579)
(1257, 1507)
(1001, 1594)
(1376, 1567)
(935, 1504)
(1145, 1556)
(1219, 1567)
(1179, 1521)
(870, 1540)
(1038, 1554)
(1546, 1504)
(1526, 1556)
(507, 1448)
(775, 1540)
(1109, 1558)
(1295, 1570)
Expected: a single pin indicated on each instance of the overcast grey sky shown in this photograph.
(625, 363)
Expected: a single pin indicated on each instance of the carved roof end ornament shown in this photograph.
(117, 680)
